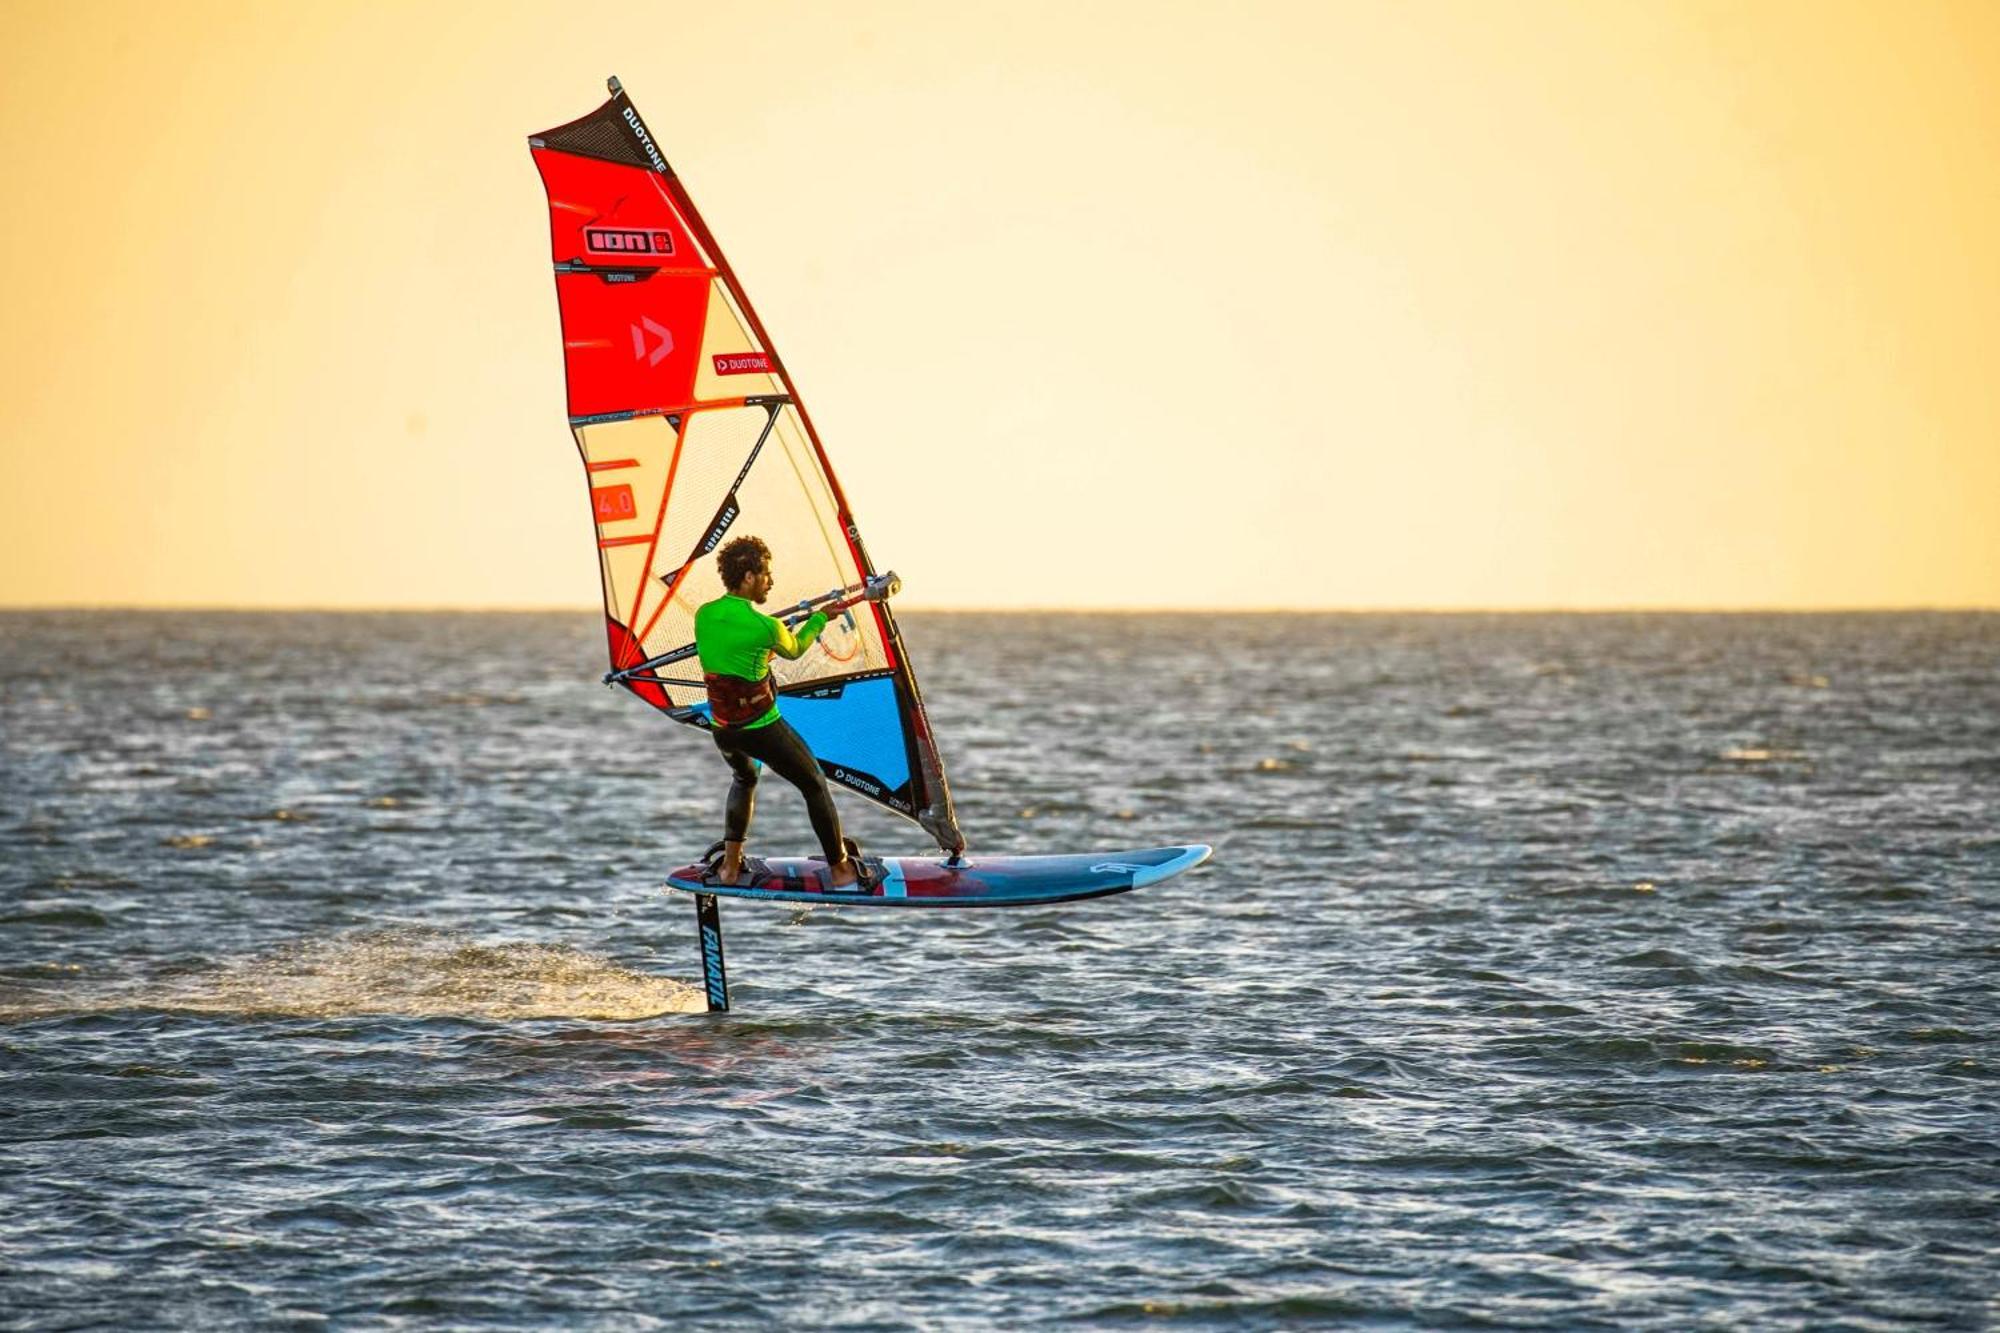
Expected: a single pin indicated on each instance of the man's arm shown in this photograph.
(792, 647)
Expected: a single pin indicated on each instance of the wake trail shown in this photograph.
(410, 971)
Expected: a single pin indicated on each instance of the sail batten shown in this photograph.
(656, 333)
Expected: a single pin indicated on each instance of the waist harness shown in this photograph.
(734, 701)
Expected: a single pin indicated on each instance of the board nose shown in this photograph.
(1190, 856)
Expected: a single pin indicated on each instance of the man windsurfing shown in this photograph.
(735, 641)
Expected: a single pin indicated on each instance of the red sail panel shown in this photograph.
(632, 283)
(606, 213)
(633, 346)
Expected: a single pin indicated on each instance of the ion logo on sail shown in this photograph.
(627, 241)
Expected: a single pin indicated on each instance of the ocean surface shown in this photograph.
(1552, 972)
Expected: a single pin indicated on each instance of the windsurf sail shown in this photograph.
(691, 431)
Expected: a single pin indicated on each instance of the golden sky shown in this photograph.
(1594, 304)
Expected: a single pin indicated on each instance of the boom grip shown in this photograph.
(877, 588)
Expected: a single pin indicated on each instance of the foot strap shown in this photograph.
(754, 868)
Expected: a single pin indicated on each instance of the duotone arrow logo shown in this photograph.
(648, 325)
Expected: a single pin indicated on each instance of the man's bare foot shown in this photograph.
(843, 874)
(731, 868)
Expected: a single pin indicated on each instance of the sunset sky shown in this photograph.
(1141, 305)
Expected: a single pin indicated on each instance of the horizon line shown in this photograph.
(1663, 608)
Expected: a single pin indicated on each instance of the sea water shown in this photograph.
(1552, 972)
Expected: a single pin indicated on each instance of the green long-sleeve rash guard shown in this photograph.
(733, 638)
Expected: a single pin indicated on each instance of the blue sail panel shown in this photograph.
(857, 734)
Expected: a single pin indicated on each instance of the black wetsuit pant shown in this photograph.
(787, 755)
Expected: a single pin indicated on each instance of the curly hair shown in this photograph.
(744, 556)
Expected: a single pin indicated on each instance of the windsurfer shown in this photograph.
(735, 642)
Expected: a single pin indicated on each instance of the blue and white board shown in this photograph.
(972, 881)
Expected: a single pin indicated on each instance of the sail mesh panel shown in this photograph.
(599, 135)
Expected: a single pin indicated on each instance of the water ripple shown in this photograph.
(1553, 972)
